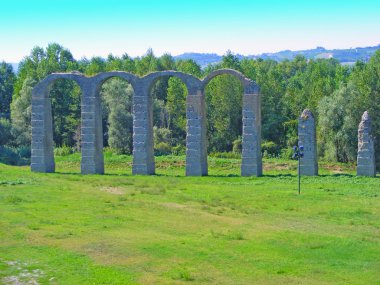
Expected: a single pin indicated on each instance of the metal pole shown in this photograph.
(299, 175)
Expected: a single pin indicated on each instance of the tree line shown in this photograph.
(336, 94)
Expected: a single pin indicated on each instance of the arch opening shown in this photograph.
(116, 101)
(243, 126)
(224, 104)
(169, 94)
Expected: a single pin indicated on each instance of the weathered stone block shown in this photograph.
(307, 138)
(366, 165)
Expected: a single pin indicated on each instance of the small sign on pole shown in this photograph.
(297, 155)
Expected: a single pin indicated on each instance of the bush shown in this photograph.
(179, 150)
(237, 145)
(225, 155)
(270, 149)
(286, 153)
(5, 131)
(161, 135)
(24, 151)
(162, 148)
(15, 156)
(63, 151)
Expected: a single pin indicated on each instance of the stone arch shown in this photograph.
(94, 135)
(196, 155)
(143, 156)
(251, 117)
(100, 78)
(42, 158)
(192, 83)
(246, 82)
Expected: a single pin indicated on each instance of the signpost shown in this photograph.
(298, 154)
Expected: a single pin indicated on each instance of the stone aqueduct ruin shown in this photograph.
(42, 159)
(92, 162)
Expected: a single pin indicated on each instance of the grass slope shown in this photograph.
(66, 228)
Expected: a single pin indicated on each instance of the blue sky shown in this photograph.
(88, 28)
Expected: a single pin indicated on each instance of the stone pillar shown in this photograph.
(196, 141)
(366, 165)
(91, 130)
(143, 152)
(307, 138)
(42, 158)
(251, 144)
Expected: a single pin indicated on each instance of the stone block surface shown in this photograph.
(366, 164)
(307, 138)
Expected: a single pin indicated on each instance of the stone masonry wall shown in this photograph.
(307, 138)
(366, 165)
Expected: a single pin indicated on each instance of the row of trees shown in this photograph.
(336, 94)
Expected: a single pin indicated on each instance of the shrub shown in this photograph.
(179, 150)
(237, 145)
(63, 151)
(286, 153)
(5, 131)
(269, 149)
(225, 155)
(24, 151)
(161, 135)
(15, 156)
(163, 148)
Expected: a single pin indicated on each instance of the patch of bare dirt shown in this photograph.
(113, 190)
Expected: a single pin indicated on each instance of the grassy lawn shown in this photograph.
(67, 228)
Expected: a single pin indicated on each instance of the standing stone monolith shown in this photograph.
(366, 165)
(307, 139)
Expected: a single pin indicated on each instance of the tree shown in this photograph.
(224, 112)
(339, 123)
(176, 106)
(147, 63)
(7, 79)
(117, 97)
(65, 97)
(366, 78)
(21, 114)
(65, 94)
(231, 61)
(95, 66)
(189, 66)
(5, 131)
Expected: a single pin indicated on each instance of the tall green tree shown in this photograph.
(65, 94)
(224, 112)
(117, 97)
(7, 80)
(338, 126)
(176, 106)
(21, 114)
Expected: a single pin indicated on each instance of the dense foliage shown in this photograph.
(336, 94)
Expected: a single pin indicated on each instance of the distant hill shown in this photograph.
(345, 56)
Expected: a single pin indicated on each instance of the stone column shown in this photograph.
(42, 158)
(196, 141)
(143, 152)
(366, 165)
(91, 130)
(251, 145)
(307, 138)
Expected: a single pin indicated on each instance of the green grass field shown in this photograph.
(67, 228)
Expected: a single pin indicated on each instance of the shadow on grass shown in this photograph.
(217, 175)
